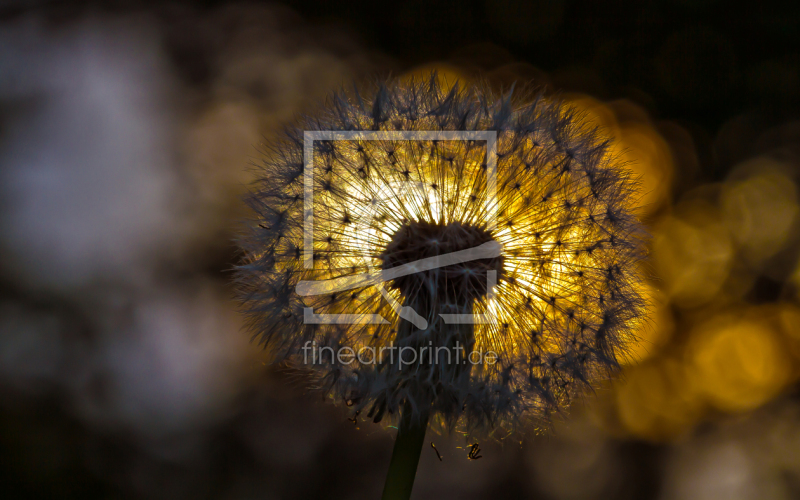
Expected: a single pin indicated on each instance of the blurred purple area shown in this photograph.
(126, 136)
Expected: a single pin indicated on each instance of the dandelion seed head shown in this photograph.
(566, 298)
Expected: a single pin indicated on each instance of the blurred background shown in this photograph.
(126, 133)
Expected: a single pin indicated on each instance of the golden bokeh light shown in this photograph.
(794, 281)
(693, 253)
(759, 203)
(638, 145)
(733, 362)
(738, 360)
(788, 319)
(658, 400)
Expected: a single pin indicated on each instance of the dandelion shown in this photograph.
(469, 281)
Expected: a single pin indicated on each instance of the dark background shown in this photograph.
(126, 131)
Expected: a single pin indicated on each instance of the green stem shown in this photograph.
(411, 431)
(405, 457)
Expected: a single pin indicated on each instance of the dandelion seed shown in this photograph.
(438, 455)
(474, 452)
(564, 300)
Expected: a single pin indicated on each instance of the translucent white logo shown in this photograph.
(377, 277)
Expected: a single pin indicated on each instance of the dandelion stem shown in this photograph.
(405, 456)
(458, 339)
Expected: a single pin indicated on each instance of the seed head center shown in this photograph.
(461, 282)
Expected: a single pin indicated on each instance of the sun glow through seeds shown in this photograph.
(567, 295)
